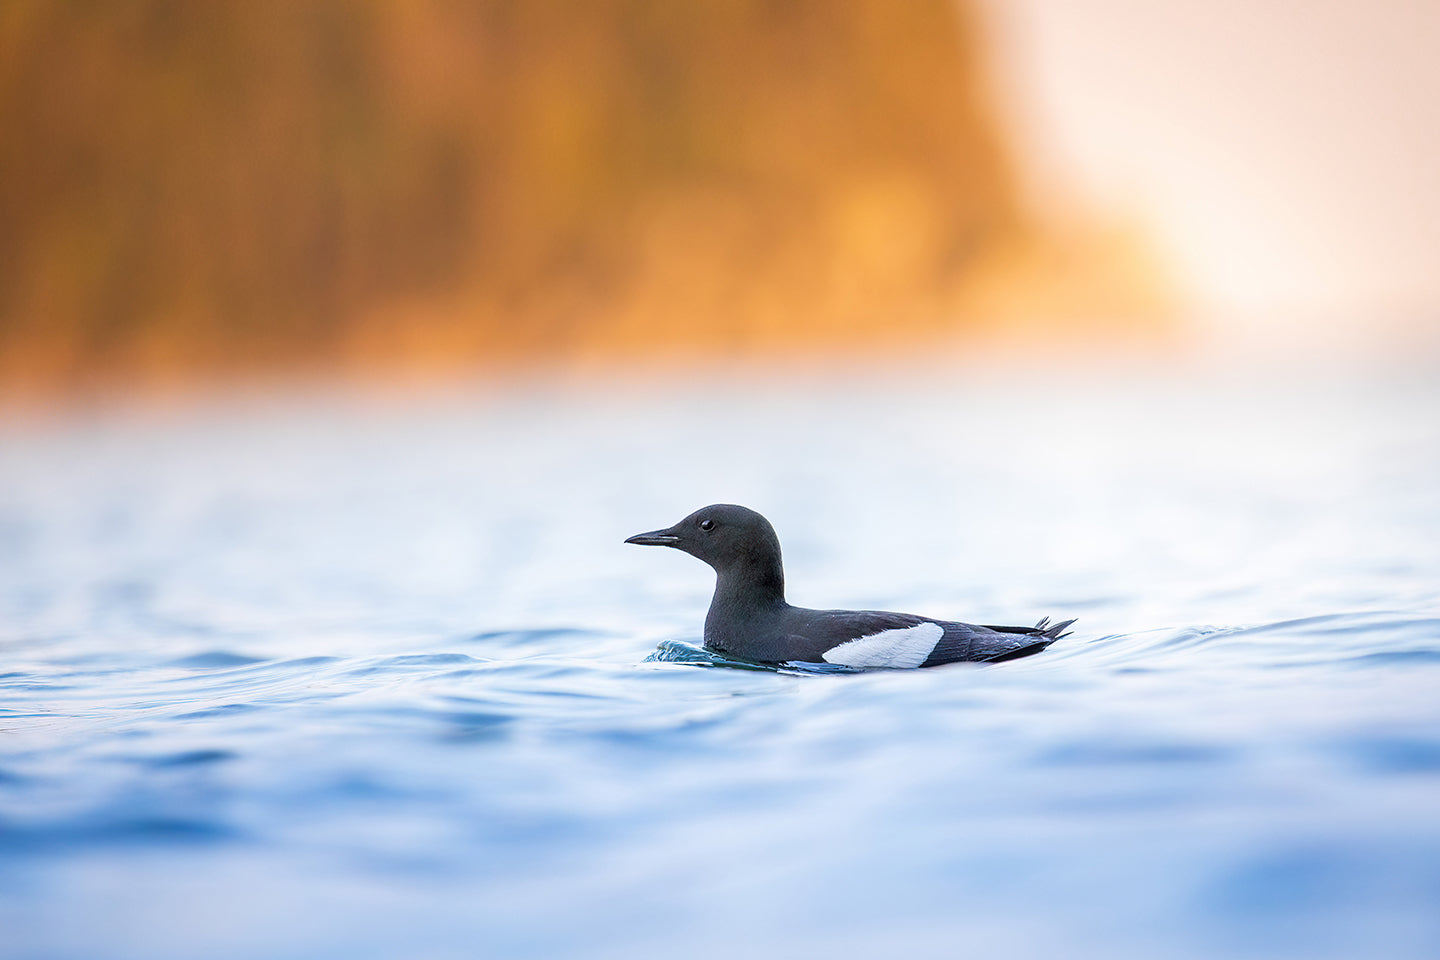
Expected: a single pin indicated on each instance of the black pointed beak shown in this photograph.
(655, 538)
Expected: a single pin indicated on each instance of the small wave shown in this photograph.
(1372, 639)
(538, 637)
(412, 661)
(1397, 754)
(678, 651)
(464, 726)
(1368, 623)
(215, 660)
(1129, 647)
(190, 758)
(304, 663)
(427, 659)
(223, 710)
(1394, 754)
(1142, 753)
(1363, 639)
(142, 831)
(1390, 658)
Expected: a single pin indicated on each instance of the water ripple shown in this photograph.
(375, 683)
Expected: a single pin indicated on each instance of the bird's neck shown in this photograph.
(758, 582)
(744, 597)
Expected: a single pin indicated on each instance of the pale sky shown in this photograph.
(1284, 153)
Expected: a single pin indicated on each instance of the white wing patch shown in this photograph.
(903, 648)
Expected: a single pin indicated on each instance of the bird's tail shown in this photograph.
(1052, 631)
(1041, 636)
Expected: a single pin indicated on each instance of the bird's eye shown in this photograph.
(707, 524)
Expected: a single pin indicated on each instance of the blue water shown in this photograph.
(336, 676)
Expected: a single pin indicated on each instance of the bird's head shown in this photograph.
(726, 536)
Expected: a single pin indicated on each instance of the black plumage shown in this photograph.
(749, 617)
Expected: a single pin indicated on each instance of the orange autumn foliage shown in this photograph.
(196, 187)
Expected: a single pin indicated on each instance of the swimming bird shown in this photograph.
(750, 619)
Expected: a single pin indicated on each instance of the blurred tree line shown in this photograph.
(198, 185)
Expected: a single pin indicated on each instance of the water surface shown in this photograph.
(328, 676)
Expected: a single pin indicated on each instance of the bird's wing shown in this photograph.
(870, 638)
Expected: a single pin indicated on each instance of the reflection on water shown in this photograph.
(342, 680)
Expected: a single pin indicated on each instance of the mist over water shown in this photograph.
(332, 677)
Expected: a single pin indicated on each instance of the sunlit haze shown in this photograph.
(1283, 155)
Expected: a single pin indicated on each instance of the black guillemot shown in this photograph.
(750, 619)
